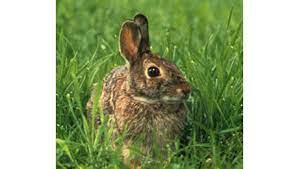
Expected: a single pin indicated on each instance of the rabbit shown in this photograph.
(145, 96)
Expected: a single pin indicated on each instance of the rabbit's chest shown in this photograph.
(151, 123)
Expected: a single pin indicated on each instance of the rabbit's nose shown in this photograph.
(184, 90)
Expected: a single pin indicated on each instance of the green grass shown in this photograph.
(204, 38)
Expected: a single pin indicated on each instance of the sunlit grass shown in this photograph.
(204, 38)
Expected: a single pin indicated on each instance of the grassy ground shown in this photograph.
(204, 38)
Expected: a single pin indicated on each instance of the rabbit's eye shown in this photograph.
(153, 72)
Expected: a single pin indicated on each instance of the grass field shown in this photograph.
(204, 38)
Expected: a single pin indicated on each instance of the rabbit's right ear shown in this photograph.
(141, 21)
(129, 41)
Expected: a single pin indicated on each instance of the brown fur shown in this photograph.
(139, 104)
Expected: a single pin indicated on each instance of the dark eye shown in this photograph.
(153, 72)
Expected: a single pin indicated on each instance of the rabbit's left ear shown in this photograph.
(142, 23)
(129, 41)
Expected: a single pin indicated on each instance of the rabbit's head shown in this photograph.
(150, 77)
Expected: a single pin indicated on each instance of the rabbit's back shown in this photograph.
(113, 87)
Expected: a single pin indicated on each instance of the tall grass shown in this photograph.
(204, 38)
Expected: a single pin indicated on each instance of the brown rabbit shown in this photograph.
(146, 96)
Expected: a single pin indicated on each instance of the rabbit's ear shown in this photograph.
(129, 41)
(142, 22)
